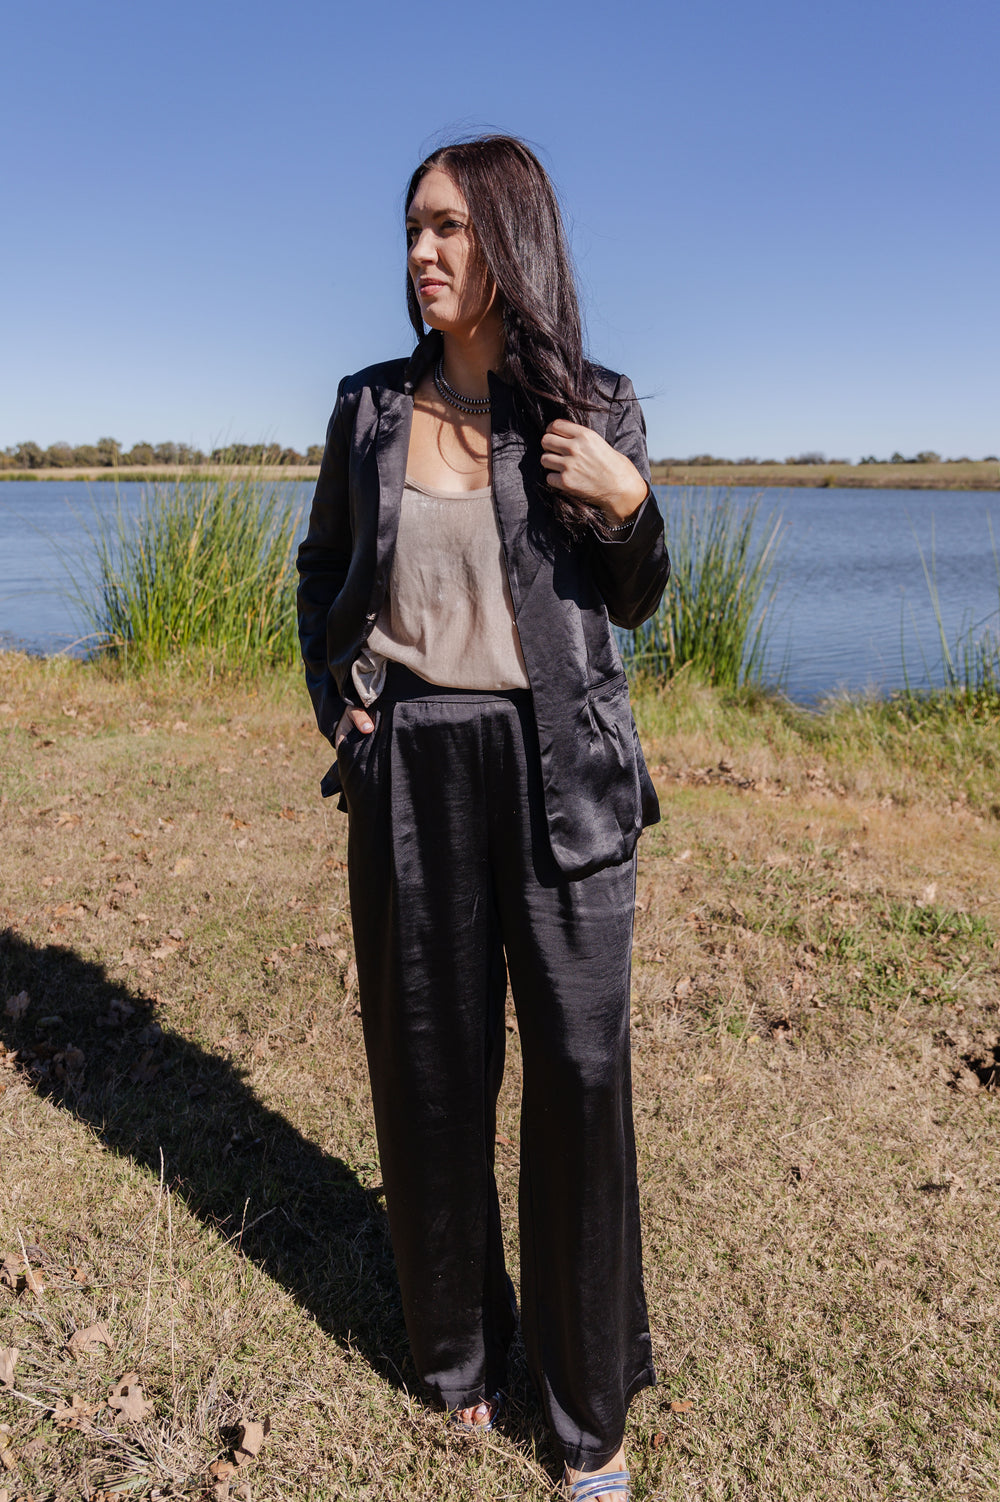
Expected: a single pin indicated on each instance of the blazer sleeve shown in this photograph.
(323, 562)
(631, 572)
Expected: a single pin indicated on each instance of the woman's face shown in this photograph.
(454, 288)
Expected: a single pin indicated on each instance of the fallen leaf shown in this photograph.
(81, 1342)
(69, 910)
(8, 1459)
(33, 1282)
(250, 1437)
(659, 1440)
(11, 1272)
(68, 821)
(165, 950)
(70, 1060)
(8, 1361)
(183, 866)
(221, 1469)
(146, 1069)
(350, 979)
(17, 1005)
(127, 1398)
(72, 1414)
(705, 1079)
(325, 941)
(679, 1405)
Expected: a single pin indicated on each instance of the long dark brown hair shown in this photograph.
(519, 230)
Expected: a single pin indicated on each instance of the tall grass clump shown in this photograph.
(204, 570)
(715, 610)
(970, 664)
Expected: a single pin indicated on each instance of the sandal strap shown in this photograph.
(596, 1486)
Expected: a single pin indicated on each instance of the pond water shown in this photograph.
(853, 609)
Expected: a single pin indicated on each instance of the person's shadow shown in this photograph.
(91, 1045)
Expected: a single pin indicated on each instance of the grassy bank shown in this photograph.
(959, 475)
(816, 1034)
(168, 474)
(974, 475)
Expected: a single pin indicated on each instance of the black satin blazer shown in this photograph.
(598, 794)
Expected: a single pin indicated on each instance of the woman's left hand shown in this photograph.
(581, 463)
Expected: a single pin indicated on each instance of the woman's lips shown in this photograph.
(427, 289)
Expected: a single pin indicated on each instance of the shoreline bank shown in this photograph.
(975, 475)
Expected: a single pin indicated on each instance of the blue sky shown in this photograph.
(784, 213)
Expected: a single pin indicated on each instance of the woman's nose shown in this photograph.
(422, 250)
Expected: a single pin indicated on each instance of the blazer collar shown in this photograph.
(520, 510)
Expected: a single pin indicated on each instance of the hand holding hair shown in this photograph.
(582, 464)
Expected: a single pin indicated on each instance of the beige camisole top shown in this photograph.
(448, 613)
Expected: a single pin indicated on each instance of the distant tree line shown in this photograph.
(108, 453)
(926, 456)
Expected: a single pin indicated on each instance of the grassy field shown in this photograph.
(167, 473)
(190, 1205)
(965, 475)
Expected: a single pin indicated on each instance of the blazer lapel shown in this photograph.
(514, 476)
(392, 445)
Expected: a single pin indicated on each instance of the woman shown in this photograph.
(482, 509)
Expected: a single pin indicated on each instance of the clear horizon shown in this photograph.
(783, 217)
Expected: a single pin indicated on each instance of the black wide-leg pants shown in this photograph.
(453, 885)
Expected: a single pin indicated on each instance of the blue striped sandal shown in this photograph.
(605, 1483)
(492, 1406)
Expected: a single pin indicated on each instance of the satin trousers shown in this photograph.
(453, 886)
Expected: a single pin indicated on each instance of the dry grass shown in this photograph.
(167, 472)
(816, 1028)
(972, 474)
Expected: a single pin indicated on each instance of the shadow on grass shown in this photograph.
(299, 1213)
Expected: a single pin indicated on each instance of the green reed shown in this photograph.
(970, 664)
(204, 571)
(716, 608)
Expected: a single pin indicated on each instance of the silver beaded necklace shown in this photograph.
(472, 406)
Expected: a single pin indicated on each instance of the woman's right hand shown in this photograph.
(359, 718)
